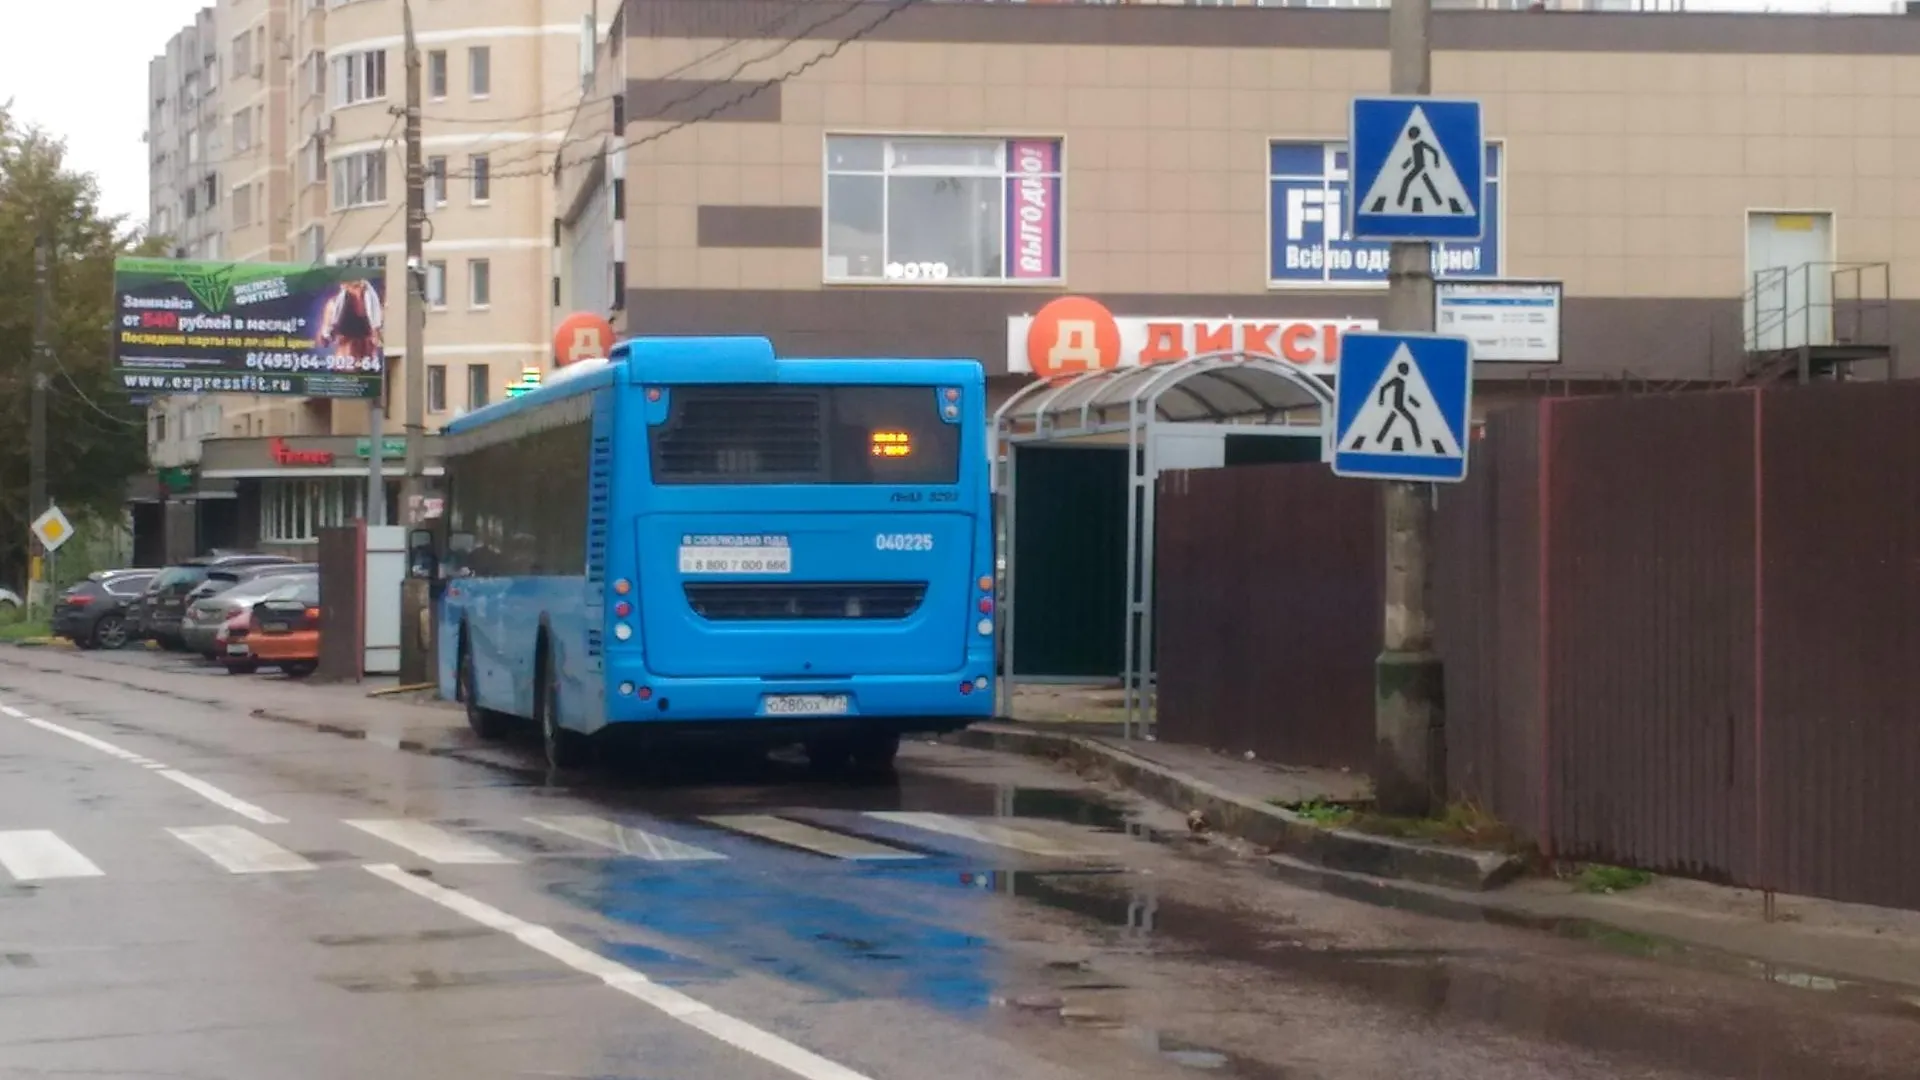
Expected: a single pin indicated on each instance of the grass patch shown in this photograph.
(1320, 812)
(15, 626)
(1596, 878)
(1461, 824)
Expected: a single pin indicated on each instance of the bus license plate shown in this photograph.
(806, 704)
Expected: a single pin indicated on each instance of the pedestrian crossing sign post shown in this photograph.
(1418, 169)
(1402, 403)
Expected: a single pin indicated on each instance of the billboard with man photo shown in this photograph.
(249, 328)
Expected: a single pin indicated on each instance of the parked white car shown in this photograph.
(10, 601)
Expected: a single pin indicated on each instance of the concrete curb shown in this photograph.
(1269, 826)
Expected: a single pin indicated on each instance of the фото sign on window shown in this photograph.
(1307, 217)
(942, 210)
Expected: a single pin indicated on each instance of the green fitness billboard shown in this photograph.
(249, 328)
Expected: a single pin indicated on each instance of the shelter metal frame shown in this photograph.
(1223, 393)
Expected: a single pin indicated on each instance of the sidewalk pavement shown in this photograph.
(1811, 942)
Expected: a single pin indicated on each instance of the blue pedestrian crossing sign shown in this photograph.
(1419, 169)
(1402, 404)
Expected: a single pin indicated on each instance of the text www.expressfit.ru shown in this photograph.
(207, 384)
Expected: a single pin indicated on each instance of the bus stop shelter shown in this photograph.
(1165, 416)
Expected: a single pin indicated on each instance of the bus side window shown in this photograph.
(459, 555)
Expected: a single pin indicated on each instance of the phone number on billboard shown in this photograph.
(289, 361)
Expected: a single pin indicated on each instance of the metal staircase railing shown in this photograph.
(1792, 327)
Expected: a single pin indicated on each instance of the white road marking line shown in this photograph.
(13, 712)
(979, 832)
(431, 842)
(808, 838)
(695, 1014)
(37, 855)
(220, 798)
(627, 841)
(82, 738)
(240, 851)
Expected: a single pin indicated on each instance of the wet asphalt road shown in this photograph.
(188, 892)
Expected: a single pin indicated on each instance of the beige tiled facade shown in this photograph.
(1633, 149)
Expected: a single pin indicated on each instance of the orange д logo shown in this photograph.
(581, 336)
(1072, 334)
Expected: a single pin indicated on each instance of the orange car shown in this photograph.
(284, 634)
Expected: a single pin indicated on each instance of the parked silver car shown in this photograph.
(205, 616)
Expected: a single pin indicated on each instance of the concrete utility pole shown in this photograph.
(37, 598)
(1409, 702)
(413, 491)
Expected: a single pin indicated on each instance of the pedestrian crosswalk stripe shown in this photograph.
(431, 842)
(240, 851)
(39, 855)
(980, 832)
(628, 841)
(808, 838)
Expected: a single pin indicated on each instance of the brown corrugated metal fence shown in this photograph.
(1681, 632)
(1268, 612)
(1840, 642)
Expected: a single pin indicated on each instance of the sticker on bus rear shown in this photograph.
(755, 553)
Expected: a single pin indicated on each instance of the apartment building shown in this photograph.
(307, 111)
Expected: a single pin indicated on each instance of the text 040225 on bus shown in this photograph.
(697, 539)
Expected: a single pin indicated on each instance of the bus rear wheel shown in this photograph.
(485, 723)
(565, 749)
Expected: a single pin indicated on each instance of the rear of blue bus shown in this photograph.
(805, 550)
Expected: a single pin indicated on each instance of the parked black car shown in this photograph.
(156, 617)
(93, 613)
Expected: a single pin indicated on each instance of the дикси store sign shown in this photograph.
(248, 328)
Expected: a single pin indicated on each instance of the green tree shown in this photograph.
(96, 440)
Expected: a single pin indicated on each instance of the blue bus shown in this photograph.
(695, 538)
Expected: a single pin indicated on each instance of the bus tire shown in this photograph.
(565, 749)
(485, 723)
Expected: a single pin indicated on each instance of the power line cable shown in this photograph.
(893, 8)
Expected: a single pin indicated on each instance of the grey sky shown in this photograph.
(99, 107)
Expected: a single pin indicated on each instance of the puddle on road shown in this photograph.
(1465, 987)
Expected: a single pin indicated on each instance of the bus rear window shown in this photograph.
(805, 435)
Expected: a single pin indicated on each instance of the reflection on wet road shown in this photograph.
(972, 917)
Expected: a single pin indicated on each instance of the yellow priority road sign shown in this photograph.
(52, 529)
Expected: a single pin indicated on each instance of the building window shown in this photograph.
(243, 131)
(437, 74)
(360, 76)
(242, 202)
(316, 74)
(313, 244)
(935, 209)
(436, 388)
(480, 169)
(436, 181)
(437, 283)
(360, 179)
(242, 54)
(1310, 245)
(294, 511)
(313, 161)
(479, 283)
(477, 387)
(479, 71)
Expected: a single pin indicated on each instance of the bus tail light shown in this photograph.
(986, 605)
(986, 583)
(646, 693)
(966, 686)
(980, 683)
(622, 587)
(622, 609)
(985, 627)
(622, 631)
